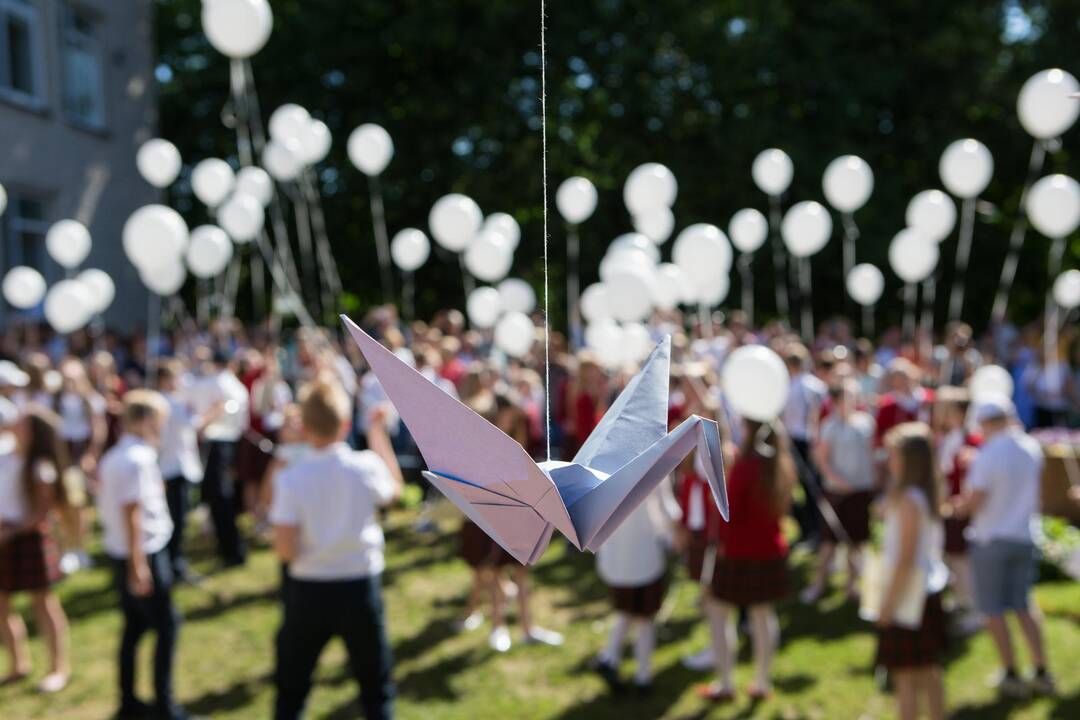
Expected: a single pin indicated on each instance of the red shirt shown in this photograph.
(753, 532)
(587, 417)
(959, 469)
(891, 413)
(691, 484)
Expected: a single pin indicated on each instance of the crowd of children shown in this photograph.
(299, 435)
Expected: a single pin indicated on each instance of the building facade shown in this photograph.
(77, 98)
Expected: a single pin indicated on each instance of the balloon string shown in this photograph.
(544, 183)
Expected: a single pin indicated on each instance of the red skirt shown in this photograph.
(746, 581)
(905, 648)
(29, 562)
(643, 602)
(853, 510)
(479, 550)
(955, 542)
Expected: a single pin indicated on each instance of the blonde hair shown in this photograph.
(324, 408)
(140, 405)
(912, 443)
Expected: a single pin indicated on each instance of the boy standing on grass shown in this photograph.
(325, 526)
(137, 527)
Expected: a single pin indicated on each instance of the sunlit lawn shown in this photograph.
(226, 650)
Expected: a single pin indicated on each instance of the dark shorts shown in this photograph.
(900, 647)
(479, 550)
(745, 581)
(1003, 572)
(28, 563)
(853, 510)
(643, 602)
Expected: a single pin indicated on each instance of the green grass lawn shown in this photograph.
(226, 650)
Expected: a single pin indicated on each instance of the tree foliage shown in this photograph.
(699, 86)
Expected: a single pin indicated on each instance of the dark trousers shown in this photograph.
(806, 512)
(316, 612)
(177, 494)
(155, 613)
(222, 493)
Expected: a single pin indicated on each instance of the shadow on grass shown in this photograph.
(433, 682)
(437, 630)
(218, 605)
(86, 603)
(237, 696)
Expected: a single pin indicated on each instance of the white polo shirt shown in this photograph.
(129, 474)
(331, 497)
(179, 455)
(1008, 467)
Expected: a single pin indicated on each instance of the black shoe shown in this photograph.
(136, 710)
(642, 689)
(175, 712)
(610, 673)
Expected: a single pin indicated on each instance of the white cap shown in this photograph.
(11, 375)
(9, 414)
(994, 406)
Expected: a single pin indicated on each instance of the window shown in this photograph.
(22, 77)
(24, 233)
(84, 90)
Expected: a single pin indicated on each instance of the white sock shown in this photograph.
(643, 651)
(612, 652)
(723, 635)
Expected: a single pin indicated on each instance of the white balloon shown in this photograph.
(237, 28)
(24, 287)
(3, 199)
(714, 292)
(154, 235)
(410, 249)
(1053, 204)
(668, 286)
(656, 224)
(517, 295)
(212, 180)
(209, 251)
(772, 171)
(912, 255)
(755, 382)
(370, 148)
(68, 242)
(637, 343)
(703, 253)
(933, 213)
(256, 182)
(629, 294)
(454, 220)
(576, 200)
(635, 241)
(605, 338)
(648, 187)
(594, 303)
(865, 284)
(315, 141)
(748, 230)
(515, 334)
(489, 256)
(630, 259)
(289, 122)
(990, 380)
(1067, 289)
(506, 226)
(1047, 105)
(158, 162)
(68, 306)
(483, 307)
(282, 159)
(966, 167)
(848, 182)
(242, 217)
(101, 287)
(166, 279)
(806, 228)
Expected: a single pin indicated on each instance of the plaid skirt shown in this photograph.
(955, 542)
(479, 550)
(905, 648)
(746, 581)
(642, 602)
(28, 562)
(695, 554)
(853, 509)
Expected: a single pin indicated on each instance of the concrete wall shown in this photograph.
(89, 175)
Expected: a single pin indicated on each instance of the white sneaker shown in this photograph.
(470, 623)
(1043, 684)
(499, 640)
(69, 563)
(700, 661)
(540, 636)
(85, 563)
(969, 623)
(810, 595)
(1009, 685)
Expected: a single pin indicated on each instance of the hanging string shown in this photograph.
(544, 184)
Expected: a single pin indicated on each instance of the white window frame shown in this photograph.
(29, 13)
(90, 44)
(13, 226)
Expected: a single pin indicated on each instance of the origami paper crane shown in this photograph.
(519, 502)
